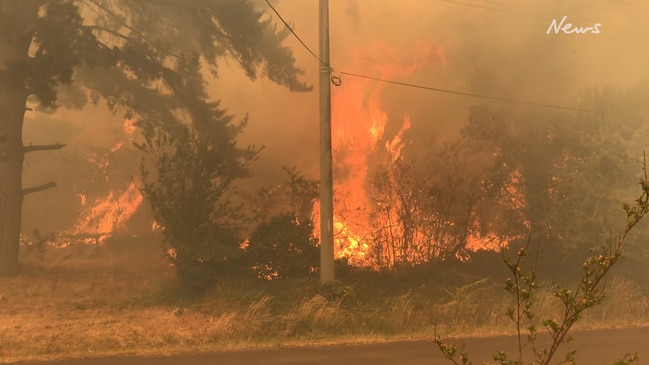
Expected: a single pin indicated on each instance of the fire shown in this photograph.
(111, 212)
(375, 224)
(106, 214)
(395, 146)
(359, 127)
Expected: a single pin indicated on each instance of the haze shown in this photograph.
(496, 48)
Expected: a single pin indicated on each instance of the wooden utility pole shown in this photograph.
(327, 272)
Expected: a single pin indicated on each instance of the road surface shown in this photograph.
(593, 347)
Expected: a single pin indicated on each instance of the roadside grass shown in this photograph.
(121, 298)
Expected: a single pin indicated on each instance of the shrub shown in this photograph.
(283, 247)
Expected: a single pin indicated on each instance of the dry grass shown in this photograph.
(120, 299)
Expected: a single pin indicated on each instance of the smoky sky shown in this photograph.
(494, 48)
(491, 47)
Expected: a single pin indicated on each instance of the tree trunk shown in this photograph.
(16, 32)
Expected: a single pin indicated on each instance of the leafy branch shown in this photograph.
(589, 293)
(524, 287)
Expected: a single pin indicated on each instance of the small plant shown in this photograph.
(589, 292)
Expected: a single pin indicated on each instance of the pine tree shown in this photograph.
(141, 58)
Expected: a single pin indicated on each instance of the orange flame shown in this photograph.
(110, 213)
(358, 126)
(100, 219)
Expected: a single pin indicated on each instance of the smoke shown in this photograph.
(497, 48)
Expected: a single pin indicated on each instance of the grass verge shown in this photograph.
(120, 298)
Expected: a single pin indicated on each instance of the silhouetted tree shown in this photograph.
(562, 174)
(141, 58)
(295, 195)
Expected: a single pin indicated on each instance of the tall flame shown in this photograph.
(359, 132)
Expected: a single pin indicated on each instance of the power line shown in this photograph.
(446, 91)
(483, 7)
(296, 36)
(337, 81)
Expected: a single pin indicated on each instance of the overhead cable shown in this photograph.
(337, 81)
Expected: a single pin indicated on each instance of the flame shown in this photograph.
(101, 218)
(395, 146)
(129, 126)
(366, 231)
(110, 213)
(359, 127)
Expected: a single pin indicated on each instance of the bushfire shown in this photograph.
(370, 213)
(99, 219)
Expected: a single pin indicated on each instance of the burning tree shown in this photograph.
(363, 135)
(430, 208)
(560, 174)
(131, 54)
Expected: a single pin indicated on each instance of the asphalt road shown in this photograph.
(593, 347)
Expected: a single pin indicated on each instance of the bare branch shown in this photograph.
(36, 189)
(43, 147)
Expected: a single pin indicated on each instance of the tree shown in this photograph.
(188, 182)
(589, 291)
(141, 57)
(525, 149)
(295, 196)
(425, 208)
(564, 173)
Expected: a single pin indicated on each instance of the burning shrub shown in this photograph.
(283, 247)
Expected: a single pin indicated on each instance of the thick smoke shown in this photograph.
(494, 48)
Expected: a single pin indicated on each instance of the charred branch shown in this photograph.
(36, 189)
(43, 147)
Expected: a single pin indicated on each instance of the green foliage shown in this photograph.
(627, 359)
(524, 287)
(454, 353)
(283, 247)
(218, 30)
(189, 182)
